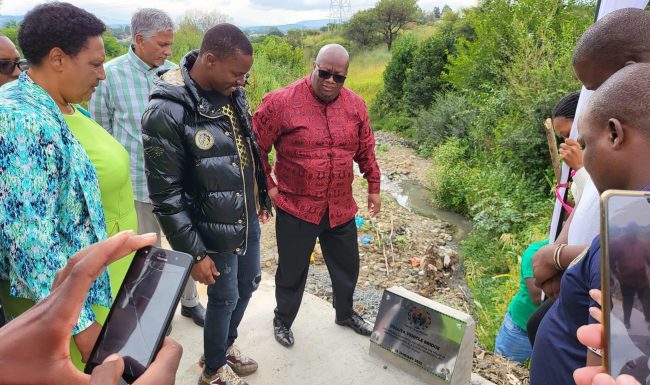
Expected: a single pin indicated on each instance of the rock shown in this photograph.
(447, 261)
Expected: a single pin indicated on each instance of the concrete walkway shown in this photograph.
(324, 353)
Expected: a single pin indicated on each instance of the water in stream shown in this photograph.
(411, 195)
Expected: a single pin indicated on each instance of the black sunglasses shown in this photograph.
(7, 66)
(326, 75)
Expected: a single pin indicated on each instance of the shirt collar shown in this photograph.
(138, 63)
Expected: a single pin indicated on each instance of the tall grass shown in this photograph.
(365, 75)
(266, 76)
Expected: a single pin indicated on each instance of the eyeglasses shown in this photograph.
(7, 66)
(326, 75)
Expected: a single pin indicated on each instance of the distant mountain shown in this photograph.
(307, 24)
(4, 19)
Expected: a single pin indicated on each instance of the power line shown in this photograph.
(340, 11)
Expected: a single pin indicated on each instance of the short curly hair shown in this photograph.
(225, 40)
(56, 24)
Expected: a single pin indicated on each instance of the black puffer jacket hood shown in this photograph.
(196, 182)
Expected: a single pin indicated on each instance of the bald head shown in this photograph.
(333, 52)
(624, 96)
(330, 71)
(615, 130)
(619, 38)
(8, 55)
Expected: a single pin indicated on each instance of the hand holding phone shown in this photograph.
(22, 341)
(144, 306)
(625, 244)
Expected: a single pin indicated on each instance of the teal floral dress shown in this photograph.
(50, 203)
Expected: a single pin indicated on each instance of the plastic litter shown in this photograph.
(366, 239)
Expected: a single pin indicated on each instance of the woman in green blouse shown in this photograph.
(111, 161)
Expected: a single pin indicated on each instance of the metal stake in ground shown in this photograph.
(381, 244)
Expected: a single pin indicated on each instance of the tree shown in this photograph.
(363, 28)
(203, 20)
(12, 24)
(186, 38)
(436, 13)
(112, 47)
(275, 31)
(12, 34)
(389, 100)
(395, 15)
(278, 51)
(424, 78)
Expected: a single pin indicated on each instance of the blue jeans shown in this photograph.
(228, 298)
(512, 341)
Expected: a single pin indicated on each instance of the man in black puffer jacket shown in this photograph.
(208, 186)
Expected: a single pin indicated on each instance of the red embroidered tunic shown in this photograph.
(315, 145)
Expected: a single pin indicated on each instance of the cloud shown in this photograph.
(296, 5)
(244, 12)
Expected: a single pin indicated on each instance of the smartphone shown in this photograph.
(142, 310)
(625, 267)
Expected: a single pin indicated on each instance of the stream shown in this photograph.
(416, 198)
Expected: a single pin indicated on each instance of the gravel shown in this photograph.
(366, 299)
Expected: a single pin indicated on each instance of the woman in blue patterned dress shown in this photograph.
(50, 202)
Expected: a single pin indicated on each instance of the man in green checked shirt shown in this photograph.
(118, 104)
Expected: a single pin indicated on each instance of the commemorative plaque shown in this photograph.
(433, 342)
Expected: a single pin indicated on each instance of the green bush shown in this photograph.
(112, 47)
(424, 77)
(186, 39)
(451, 176)
(279, 52)
(448, 117)
(395, 75)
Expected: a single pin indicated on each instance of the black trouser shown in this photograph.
(628, 293)
(296, 240)
(536, 319)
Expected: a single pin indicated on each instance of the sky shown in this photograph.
(244, 13)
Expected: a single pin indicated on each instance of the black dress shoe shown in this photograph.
(196, 313)
(283, 334)
(356, 323)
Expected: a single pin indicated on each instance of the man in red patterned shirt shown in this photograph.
(318, 128)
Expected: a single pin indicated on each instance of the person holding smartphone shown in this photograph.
(616, 151)
(25, 361)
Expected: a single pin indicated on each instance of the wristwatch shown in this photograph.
(200, 257)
